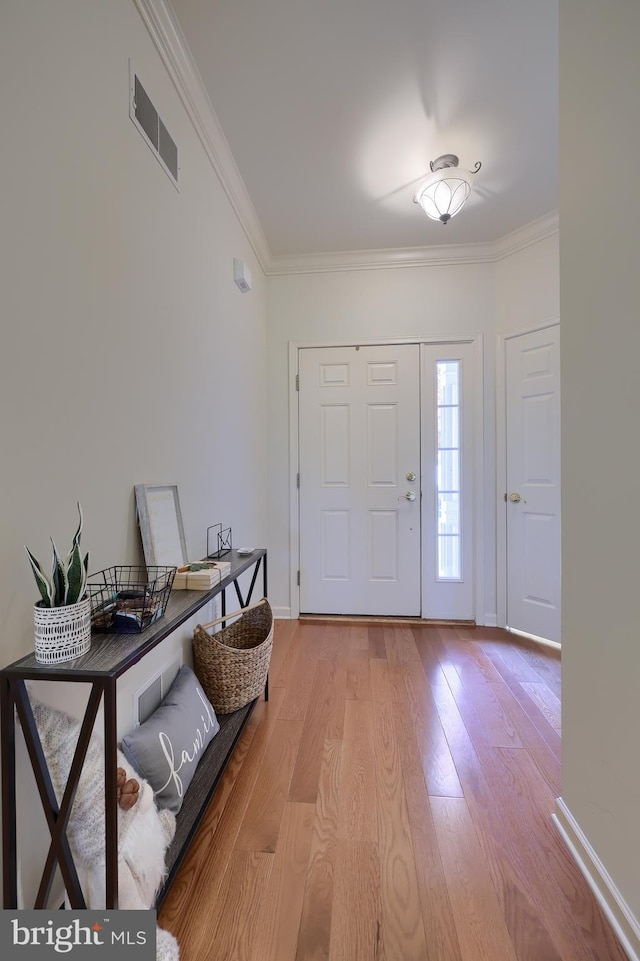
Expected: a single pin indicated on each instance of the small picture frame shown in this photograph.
(161, 527)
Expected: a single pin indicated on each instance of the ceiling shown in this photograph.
(333, 109)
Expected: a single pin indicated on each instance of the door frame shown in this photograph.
(477, 405)
(501, 459)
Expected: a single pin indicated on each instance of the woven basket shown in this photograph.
(232, 665)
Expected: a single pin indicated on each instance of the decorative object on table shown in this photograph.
(128, 598)
(201, 575)
(223, 542)
(198, 576)
(232, 665)
(62, 618)
(144, 833)
(160, 521)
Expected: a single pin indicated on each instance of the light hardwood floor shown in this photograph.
(391, 802)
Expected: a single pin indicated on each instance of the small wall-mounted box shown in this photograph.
(241, 275)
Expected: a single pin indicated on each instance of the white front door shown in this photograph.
(533, 483)
(359, 450)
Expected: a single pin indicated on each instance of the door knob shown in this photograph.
(410, 496)
(515, 498)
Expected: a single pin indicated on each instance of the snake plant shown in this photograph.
(68, 581)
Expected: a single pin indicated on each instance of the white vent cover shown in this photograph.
(148, 121)
(149, 700)
(149, 697)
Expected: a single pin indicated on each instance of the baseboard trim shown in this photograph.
(282, 613)
(359, 620)
(617, 911)
(544, 641)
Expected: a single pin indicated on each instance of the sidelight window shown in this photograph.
(448, 489)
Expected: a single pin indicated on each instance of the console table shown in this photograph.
(110, 656)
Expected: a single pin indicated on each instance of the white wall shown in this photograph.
(528, 286)
(342, 307)
(128, 354)
(600, 305)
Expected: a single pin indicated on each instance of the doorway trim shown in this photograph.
(476, 340)
(501, 460)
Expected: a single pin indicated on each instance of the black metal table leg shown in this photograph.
(111, 803)
(9, 834)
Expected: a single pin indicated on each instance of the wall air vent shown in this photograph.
(149, 697)
(150, 124)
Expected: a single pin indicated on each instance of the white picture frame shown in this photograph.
(161, 527)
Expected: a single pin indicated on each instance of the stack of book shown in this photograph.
(200, 576)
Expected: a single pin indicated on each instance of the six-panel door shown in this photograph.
(359, 422)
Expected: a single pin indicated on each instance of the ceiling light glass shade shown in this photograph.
(445, 191)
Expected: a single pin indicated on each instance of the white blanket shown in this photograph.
(144, 833)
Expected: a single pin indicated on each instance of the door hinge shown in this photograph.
(297, 381)
(298, 480)
(298, 578)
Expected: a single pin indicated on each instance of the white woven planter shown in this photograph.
(62, 633)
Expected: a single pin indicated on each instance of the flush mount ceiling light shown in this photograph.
(444, 193)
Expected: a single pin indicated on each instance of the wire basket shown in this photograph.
(126, 599)
(232, 665)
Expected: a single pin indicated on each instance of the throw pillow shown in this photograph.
(167, 747)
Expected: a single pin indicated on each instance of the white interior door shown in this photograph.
(533, 483)
(359, 450)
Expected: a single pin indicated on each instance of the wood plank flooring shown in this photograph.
(391, 802)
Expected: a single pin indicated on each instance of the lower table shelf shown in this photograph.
(201, 790)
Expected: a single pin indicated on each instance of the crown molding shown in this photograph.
(436, 256)
(165, 31)
(526, 236)
(442, 256)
